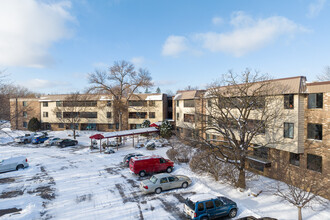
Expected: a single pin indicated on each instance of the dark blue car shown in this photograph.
(205, 206)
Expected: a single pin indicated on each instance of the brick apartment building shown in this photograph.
(96, 112)
(303, 130)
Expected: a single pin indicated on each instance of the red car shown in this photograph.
(150, 164)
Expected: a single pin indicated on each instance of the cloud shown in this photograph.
(315, 8)
(174, 45)
(138, 61)
(29, 28)
(248, 34)
(39, 84)
(217, 21)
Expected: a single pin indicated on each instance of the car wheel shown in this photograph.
(184, 185)
(25, 141)
(169, 169)
(232, 213)
(62, 145)
(19, 167)
(142, 173)
(205, 218)
(158, 190)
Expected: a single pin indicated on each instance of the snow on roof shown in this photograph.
(130, 132)
(202, 197)
(105, 98)
(177, 96)
(145, 157)
(155, 97)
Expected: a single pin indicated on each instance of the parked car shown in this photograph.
(27, 138)
(150, 164)
(13, 163)
(128, 157)
(67, 142)
(164, 181)
(255, 218)
(206, 206)
(52, 141)
(39, 139)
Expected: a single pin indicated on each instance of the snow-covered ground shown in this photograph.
(73, 183)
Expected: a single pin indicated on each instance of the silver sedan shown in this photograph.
(164, 181)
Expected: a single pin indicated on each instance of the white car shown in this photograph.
(52, 141)
(13, 163)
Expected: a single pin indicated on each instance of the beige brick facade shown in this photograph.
(22, 110)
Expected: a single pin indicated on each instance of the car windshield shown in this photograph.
(190, 204)
(153, 179)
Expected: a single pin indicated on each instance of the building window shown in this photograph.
(209, 103)
(24, 103)
(61, 125)
(188, 103)
(110, 126)
(288, 101)
(315, 100)
(58, 103)
(137, 103)
(207, 137)
(314, 162)
(261, 152)
(109, 103)
(177, 103)
(288, 130)
(25, 124)
(109, 115)
(152, 115)
(189, 118)
(177, 116)
(25, 114)
(117, 125)
(45, 104)
(152, 103)
(58, 114)
(137, 115)
(88, 114)
(314, 131)
(214, 137)
(45, 114)
(295, 159)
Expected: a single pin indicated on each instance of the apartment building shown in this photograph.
(186, 107)
(96, 112)
(22, 110)
(298, 140)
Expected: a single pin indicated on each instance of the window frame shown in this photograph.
(289, 101)
(314, 131)
(293, 159)
(310, 166)
(315, 104)
(44, 104)
(45, 114)
(286, 130)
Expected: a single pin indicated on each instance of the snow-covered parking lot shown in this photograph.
(73, 183)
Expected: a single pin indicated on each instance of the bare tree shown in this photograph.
(189, 87)
(72, 109)
(301, 189)
(326, 74)
(121, 82)
(239, 109)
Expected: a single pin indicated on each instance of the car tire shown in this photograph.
(232, 213)
(205, 218)
(25, 142)
(169, 169)
(184, 185)
(158, 190)
(62, 145)
(19, 167)
(142, 173)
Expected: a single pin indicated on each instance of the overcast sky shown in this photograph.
(50, 46)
